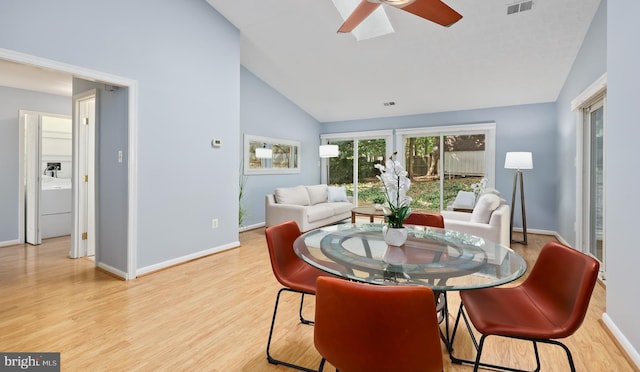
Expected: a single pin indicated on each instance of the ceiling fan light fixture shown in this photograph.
(398, 3)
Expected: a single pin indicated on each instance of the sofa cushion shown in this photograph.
(318, 212)
(297, 195)
(317, 194)
(485, 205)
(341, 207)
(338, 207)
(337, 194)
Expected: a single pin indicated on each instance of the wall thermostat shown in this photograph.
(216, 142)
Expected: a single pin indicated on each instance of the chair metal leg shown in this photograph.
(479, 346)
(302, 319)
(271, 359)
(535, 350)
(321, 367)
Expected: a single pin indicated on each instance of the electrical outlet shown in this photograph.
(214, 223)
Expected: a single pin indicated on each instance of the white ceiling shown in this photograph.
(487, 59)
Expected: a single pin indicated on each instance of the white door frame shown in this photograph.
(84, 164)
(582, 101)
(132, 156)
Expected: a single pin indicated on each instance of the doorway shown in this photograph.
(45, 142)
(123, 234)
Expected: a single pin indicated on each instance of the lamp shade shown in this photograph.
(518, 160)
(329, 151)
(263, 153)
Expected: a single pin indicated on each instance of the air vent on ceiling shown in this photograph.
(519, 7)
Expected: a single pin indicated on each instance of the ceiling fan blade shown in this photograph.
(359, 14)
(433, 10)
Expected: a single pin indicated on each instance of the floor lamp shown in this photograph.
(518, 161)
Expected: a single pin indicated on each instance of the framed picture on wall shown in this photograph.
(266, 155)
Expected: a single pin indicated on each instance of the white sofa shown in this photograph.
(309, 206)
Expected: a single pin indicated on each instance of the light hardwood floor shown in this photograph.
(211, 314)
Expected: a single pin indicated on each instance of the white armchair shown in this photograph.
(490, 219)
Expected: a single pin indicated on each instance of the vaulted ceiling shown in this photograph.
(487, 59)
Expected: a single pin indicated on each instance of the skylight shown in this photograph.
(377, 24)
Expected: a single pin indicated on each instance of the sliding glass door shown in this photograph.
(593, 180)
(445, 160)
(354, 166)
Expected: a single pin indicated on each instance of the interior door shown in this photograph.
(32, 177)
(84, 234)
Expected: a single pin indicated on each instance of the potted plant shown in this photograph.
(378, 200)
(396, 184)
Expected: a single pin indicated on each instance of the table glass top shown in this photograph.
(438, 258)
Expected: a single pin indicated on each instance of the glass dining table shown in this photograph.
(443, 260)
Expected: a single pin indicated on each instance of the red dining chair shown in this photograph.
(293, 273)
(364, 327)
(432, 220)
(550, 304)
(425, 219)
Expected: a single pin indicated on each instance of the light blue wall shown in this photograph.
(589, 65)
(11, 101)
(265, 112)
(622, 170)
(185, 57)
(111, 177)
(518, 128)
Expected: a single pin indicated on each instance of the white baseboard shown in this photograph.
(545, 232)
(10, 242)
(624, 342)
(251, 227)
(183, 259)
(113, 270)
(562, 240)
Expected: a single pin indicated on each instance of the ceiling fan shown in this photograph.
(432, 10)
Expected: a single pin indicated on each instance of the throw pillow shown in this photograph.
(317, 194)
(464, 200)
(337, 194)
(485, 205)
(292, 195)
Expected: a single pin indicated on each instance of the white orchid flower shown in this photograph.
(396, 183)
